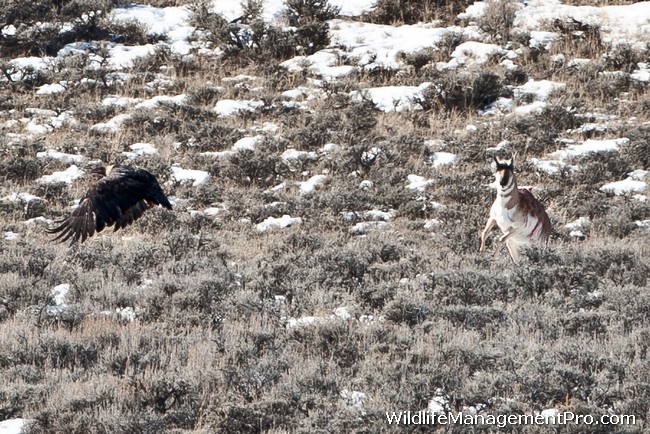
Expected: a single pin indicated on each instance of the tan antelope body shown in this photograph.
(520, 216)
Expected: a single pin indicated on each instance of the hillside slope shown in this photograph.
(329, 167)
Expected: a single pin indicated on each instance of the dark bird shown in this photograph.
(119, 198)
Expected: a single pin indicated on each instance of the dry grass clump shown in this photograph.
(541, 133)
(463, 91)
(250, 39)
(430, 324)
(43, 26)
(636, 150)
(498, 19)
(395, 12)
(20, 169)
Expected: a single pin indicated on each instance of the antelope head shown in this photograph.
(504, 171)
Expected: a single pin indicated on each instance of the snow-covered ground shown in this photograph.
(355, 46)
(364, 45)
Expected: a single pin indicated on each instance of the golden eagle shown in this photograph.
(119, 198)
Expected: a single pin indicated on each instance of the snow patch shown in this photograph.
(59, 293)
(157, 21)
(304, 93)
(40, 220)
(126, 314)
(634, 183)
(341, 313)
(577, 234)
(10, 236)
(579, 223)
(293, 154)
(619, 24)
(231, 107)
(393, 98)
(48, 89)
(439, 404)
(13, 426)
(248, 143)
(140, 149)
(418, 183)
(62, 156)
(308, 186)
(112, 125)
(575, 227)
(21, 197)
(197, 177)
(377, 215)
(162, 99)
(540, 89)
(123, 56)
(552, 167)
(377, 46)
(362, 228)
(352, 399)
(440, 159)
(68, 176)
(474, 11)
(590, 146)
(642, 74)
(213, 211)
(471, 53)
(369, 156)
(534, 108)
(372, 215)
(323, 63)
(542, 40)
(432, 224)
(120, 101)
(550, 414)
(25, 68)
(8, 31)
(281, 222)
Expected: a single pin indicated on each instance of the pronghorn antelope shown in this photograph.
(520, 216)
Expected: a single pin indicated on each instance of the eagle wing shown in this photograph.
(120, 199)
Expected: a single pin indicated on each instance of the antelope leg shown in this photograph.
(488, 227)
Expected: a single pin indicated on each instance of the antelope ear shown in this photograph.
(512, 160)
